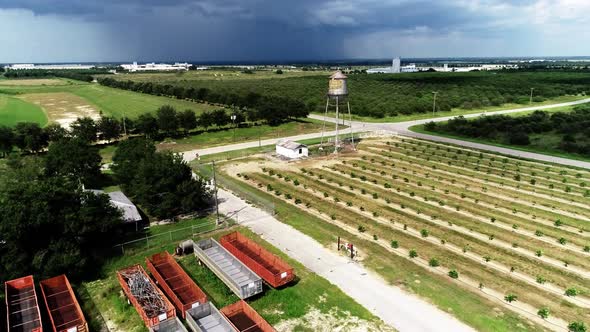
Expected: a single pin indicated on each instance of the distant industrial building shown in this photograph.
(30, 66)
(395, 68)
(156, 67)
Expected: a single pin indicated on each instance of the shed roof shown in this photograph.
(119, 200)
(291, 145)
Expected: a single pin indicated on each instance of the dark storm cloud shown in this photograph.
(303, 29)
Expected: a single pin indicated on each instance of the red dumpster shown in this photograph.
(179, 287)
(269, 267)
(149, 301)
(22, 308)
(64, 310)
(246, 319)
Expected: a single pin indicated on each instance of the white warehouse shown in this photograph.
(291, 150)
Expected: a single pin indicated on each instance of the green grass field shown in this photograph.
(109, 101)
(14, 110)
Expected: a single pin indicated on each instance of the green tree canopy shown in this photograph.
(109, 128)
(30, 137)
(75, 158)
(167, 120)
(84, 129)
(6, 140)
(50, 225)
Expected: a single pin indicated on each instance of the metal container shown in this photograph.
(337, 86)
(153, 307)
(206, 318)
(246, 319)
(22, 308)
(177, 285)
(63, 308)
(271, 268)
(169, 325)
(237, 276)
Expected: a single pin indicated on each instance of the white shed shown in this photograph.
(291, 150)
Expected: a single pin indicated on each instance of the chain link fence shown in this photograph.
(164, 239)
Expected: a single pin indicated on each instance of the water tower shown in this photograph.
(337, 94)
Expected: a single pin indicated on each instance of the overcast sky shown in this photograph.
(250, 30)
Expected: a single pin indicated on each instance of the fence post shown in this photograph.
(122, 249)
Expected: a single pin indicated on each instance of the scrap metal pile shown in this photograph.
(144, 292)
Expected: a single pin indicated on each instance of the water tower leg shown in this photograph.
(337, 120)
(324, 124)
(350, 124)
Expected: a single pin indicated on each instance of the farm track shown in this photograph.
(472, 176)
(488, 292)
(497, 180)
(580, 301)
(504, 218)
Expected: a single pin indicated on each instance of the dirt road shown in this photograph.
(394, 306)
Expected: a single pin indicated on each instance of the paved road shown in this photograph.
(393, 305)
(402, 128)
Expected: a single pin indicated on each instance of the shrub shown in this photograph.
(413, 253)
(394, 244)
(433, 262)
(326, 195)
(543, 313)
(375, 237)
(586, 248)
(577, 327)
(539, 253)
(453, 274)
(349, 203)
(571, 292)
(538, 233)
(487, 258)
(297, 201)
(558, 223)
(269, 187)
(295, 182)
(333, 216)
(424, 233)
(541, 280)
(362, 229)
(510, 298)
(562, 241)
(288, 196)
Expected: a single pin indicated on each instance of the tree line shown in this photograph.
(274, 109)
(572, 127)
(30, 137)
(84, 75)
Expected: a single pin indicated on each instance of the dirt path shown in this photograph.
(394, 306)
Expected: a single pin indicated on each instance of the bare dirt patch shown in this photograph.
(62, 107)
(318, 321)
(31, 82)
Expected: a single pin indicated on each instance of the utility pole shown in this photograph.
(337, 120)
(233, 120)
(215, 189)
(531, 100)
(434, 102)
(124, 125)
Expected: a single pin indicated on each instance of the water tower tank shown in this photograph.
(337, 86)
